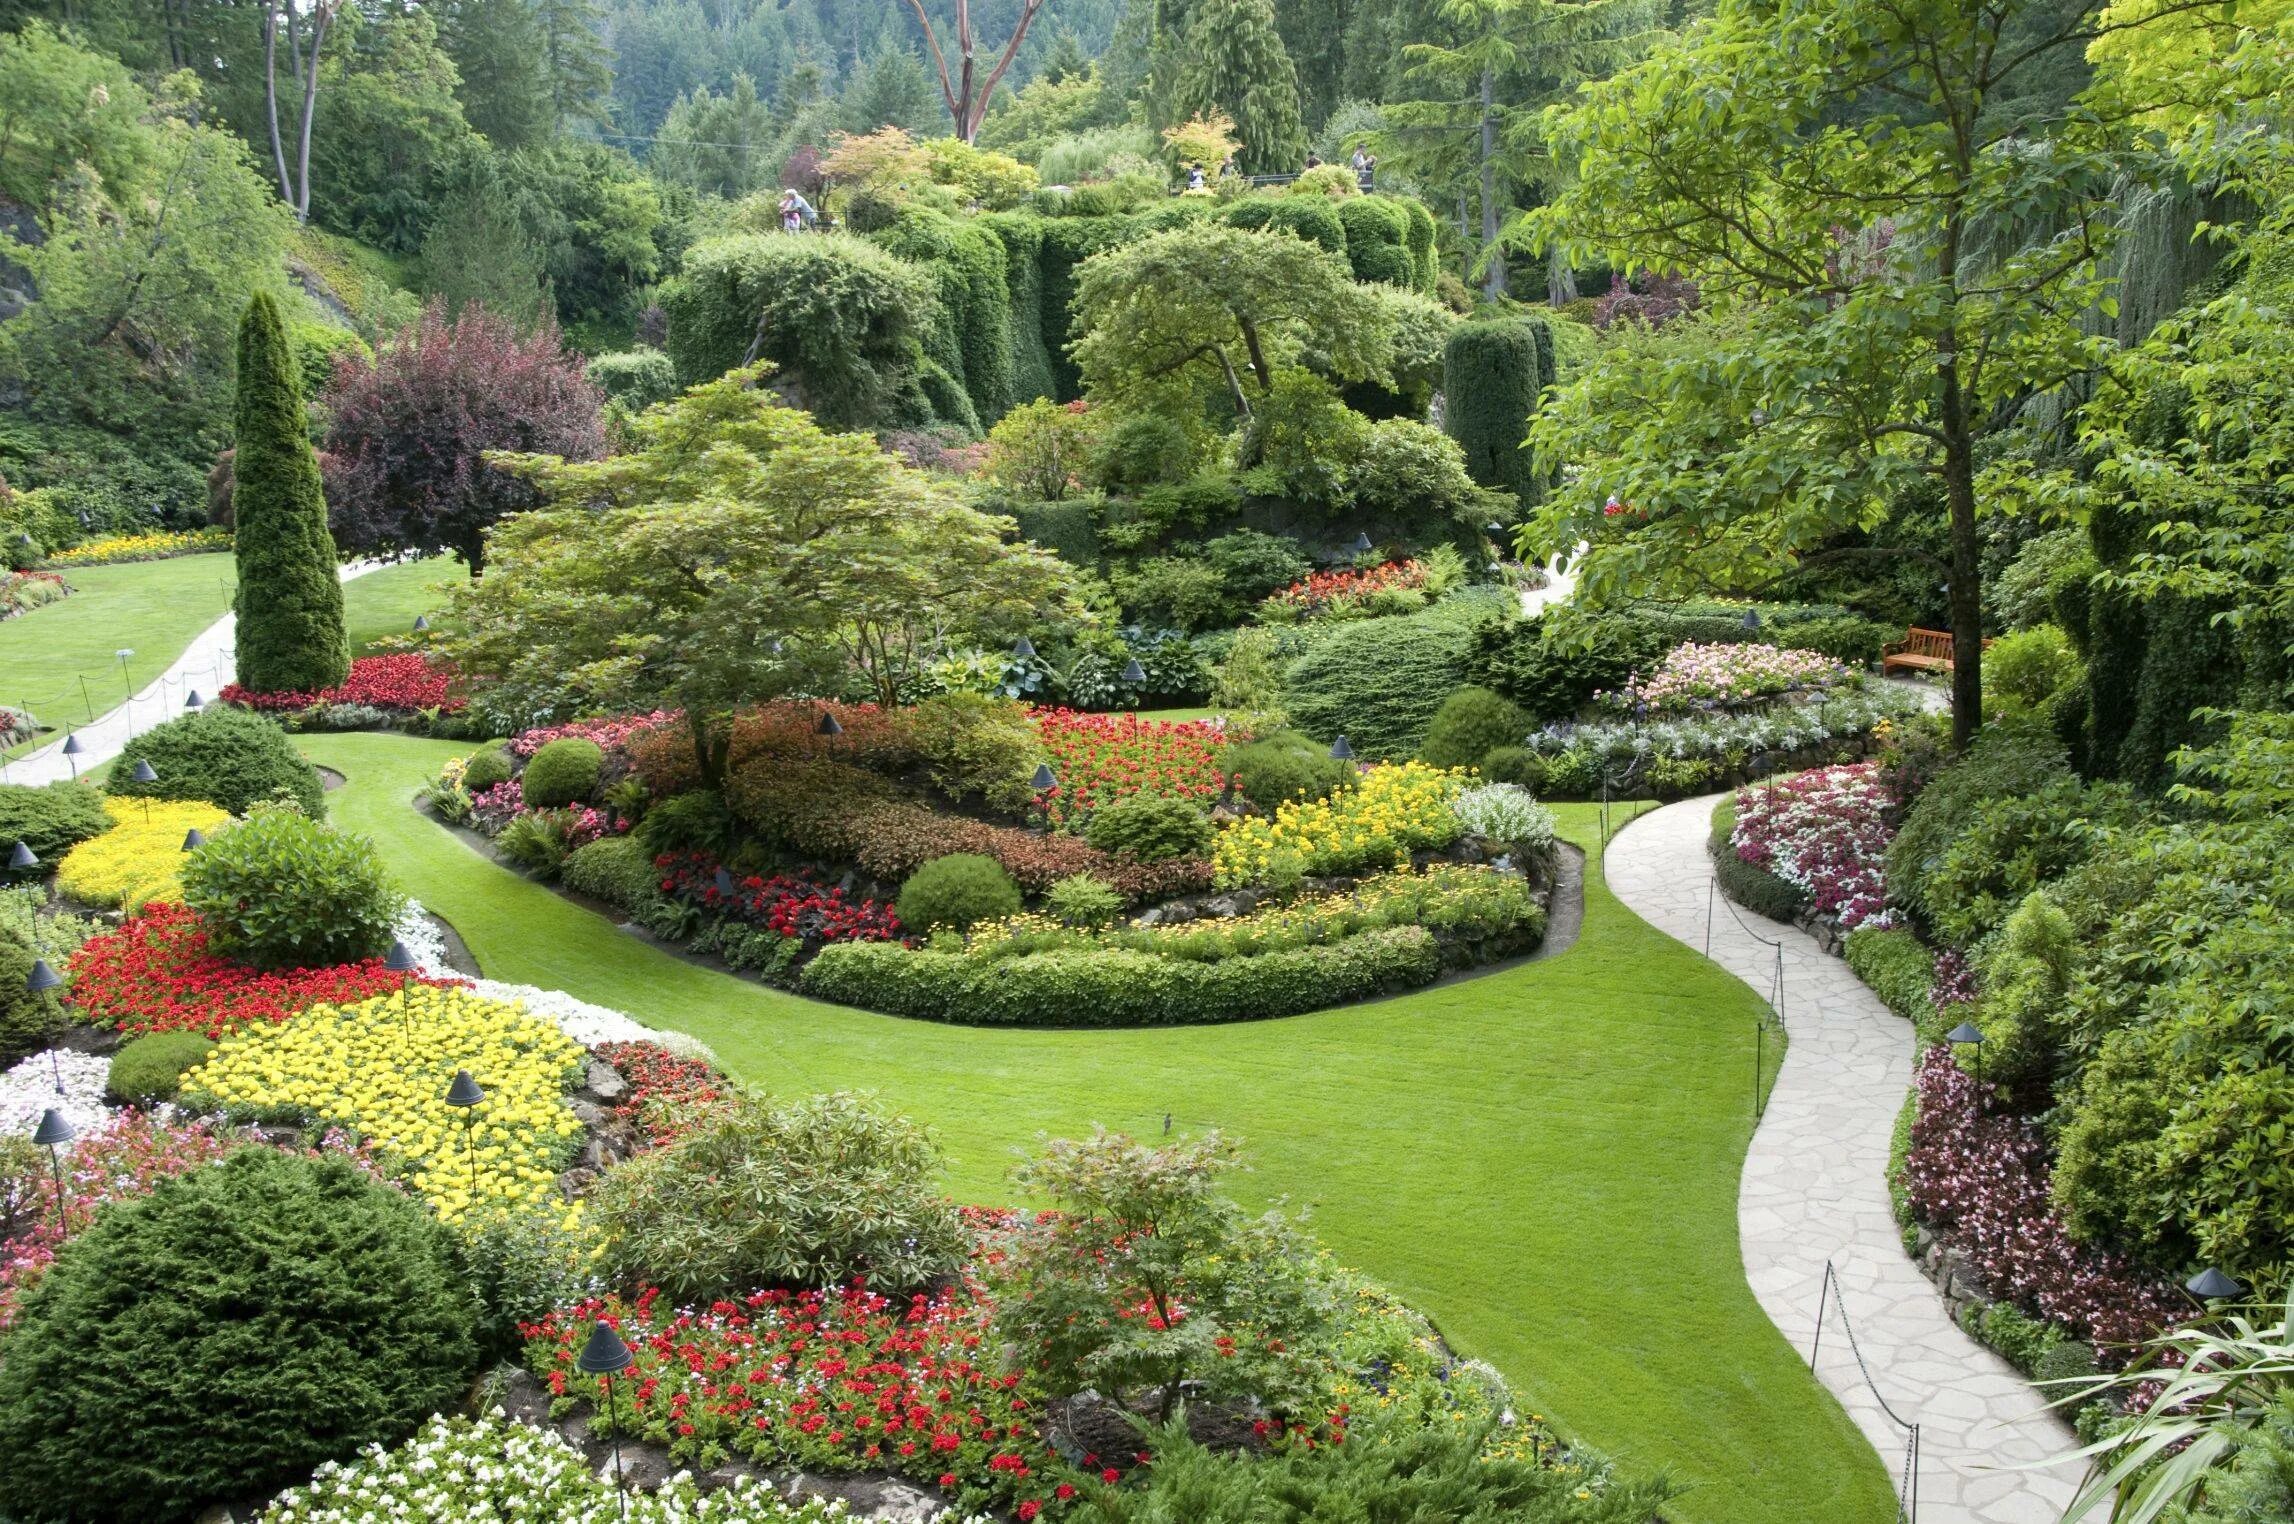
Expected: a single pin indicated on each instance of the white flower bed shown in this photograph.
(30, 1089)
(585, 1023)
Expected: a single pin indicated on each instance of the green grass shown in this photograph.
(153, 608)
(385, 603)
(1545, 1160)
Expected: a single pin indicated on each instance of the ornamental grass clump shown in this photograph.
(223, 1335)
(280, 890)
(140, 859)
(382, 1067)
(1397, 809)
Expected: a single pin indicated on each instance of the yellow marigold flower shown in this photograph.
(140, 859)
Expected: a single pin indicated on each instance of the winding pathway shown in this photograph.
(1814, 1189)
(205, 667)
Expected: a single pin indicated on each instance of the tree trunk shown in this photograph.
(271, 98)
(1966, 591)
(1560, 280)
(1493, 272)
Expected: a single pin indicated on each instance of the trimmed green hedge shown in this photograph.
(1896, 966)
(972, 336)
(1493, 375)
(1378, 240)
(1033, 371)
(1756, 889)
(1114, 988)
(51, 820)
(615, 869)
(1070, 530)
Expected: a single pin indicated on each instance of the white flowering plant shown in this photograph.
(1505, 812)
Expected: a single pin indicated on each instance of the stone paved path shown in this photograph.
(1815, 1189)
(204, 668)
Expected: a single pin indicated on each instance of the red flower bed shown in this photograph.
(1325, 591)
(835, 1381)
(664, 1089)
(1100, 758)
(793, 904)
(155, 974)
(1985, 1177)
(129, 1156)
(408, 680)
(610, 734)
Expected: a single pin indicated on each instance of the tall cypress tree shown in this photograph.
(1236, 63)
(290, 600)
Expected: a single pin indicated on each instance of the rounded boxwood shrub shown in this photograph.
(224, 1335)
(563, 772)
(1514, 764)
(959, 890)
(488, 766)
(615, 869)
(280, 890)
(1283, 767)
(231, 757)
(50, 820)
(149, 1069)
(1472, 723)
(1150, 828)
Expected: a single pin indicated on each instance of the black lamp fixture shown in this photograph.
(828, 725)
(194, 702)
(606, 1357)
(142, 773)
(194, 839)
(54, 1133)
(421, 623)
(1133, 673)
(72, 750)
(464, 1095)
(1496, 531)
(40, 981)
(1341, 750)
(1045, 780)
(1023, 649)
(2209, 1285)
(724, 884)
(1969, 1033)
(400, 959)
(23, 857)
(1752, 619)
(1361, 545)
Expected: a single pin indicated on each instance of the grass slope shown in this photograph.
(151, 607)
(1545, 1159)
(385, 603)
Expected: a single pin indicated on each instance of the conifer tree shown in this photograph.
(1235, 63)
(290, 600)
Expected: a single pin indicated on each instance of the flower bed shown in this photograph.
(1100, 758)
(140, 859)
(1694, 676)
(156, 545)
(382, 1067)
(456, 1471)
(1342, 594)
(403, 681)
(123, 1156)
(665, 1088)
(792, 904)
(610, 734)
(1397, 809)
(155, 974)
(29, 1089)
(1672, 757)
(22, 592)
(1826, 833)
(1984, 1177)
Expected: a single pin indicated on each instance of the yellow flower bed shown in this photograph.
(382, 1067)
(1397, 809)
(141, 547)
(140, 859)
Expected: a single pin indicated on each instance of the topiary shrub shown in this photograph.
(224, 1335)
(615, 869)
(290, 599)
(813, 1192)
(959, 890)
(148, 1070)
(1471, 723)
(1494, 374)
(1378, 681)
(487, 767)
(50, 820)
(563, 772)
(1150, 828)
(280, 890)
(635, 378)
(1514, 764)
(28, 1022)
(1276, 769)
(230, 757)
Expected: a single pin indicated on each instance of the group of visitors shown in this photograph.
(1364, 163)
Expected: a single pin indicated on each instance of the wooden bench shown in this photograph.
(1920, 651)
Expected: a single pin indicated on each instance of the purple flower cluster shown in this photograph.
(494, 808)
(1825, 832)
(1954, 982)
(1985, 1177)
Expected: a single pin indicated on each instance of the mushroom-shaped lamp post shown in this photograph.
(606, 1357)
(1044, 781)
(72, 750)
(464, 1095)
(1968, 1033)
(53, 1134)
(23, 858)
(44, 980)
(143, 773)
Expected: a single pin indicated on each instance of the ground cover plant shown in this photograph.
(141, 858)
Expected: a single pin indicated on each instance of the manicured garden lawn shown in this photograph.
(151, 607)
(1545, 1159)
(386, 602)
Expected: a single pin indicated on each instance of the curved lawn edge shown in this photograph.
(1544, 1160)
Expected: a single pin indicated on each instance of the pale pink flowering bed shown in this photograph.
(1691, 674)
(1826, 833)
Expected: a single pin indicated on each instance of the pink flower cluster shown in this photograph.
(610, 734)
(1691, 675)
(1825, 832)
(1954, 982)
(494, 808)
(1985, 1177)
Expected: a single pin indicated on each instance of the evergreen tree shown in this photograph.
(290, 599)
(1235, 63)
(480, 251)
(575, 61)
(497, 48)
